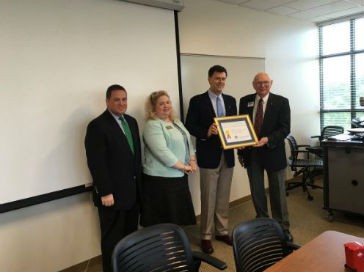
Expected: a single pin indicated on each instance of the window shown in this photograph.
(341, 59)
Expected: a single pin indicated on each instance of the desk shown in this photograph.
(317, 150)
(344, 176)
(325, 253)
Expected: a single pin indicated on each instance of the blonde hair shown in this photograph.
(151, 103)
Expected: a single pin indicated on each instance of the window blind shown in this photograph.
(341, 60)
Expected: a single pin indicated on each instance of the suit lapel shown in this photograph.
(209, 103)
(228, 110)
(250, 106)
(268, 110)
(119, 132)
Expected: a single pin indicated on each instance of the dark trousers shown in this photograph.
(115, 224)
(277, 191)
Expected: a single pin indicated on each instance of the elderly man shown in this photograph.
(272, 121)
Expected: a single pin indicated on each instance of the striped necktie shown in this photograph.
(219, 107)
(259, 118)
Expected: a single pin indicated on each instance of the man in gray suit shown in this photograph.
(272, 122)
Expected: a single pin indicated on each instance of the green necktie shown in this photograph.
(127, 132)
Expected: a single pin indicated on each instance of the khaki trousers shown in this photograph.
(215, 187)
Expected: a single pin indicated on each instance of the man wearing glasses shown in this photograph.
(271, 116)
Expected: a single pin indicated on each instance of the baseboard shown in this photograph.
(240, 201)
(232, 204)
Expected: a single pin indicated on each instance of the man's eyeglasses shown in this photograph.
(262, 82)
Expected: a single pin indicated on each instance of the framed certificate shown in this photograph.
(236, 131)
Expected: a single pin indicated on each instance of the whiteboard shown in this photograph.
(57, 59)
(241, 72)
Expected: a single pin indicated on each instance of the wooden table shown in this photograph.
(325, 253)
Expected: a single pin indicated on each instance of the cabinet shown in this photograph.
(344, 176)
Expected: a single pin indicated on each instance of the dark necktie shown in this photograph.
(127, 132)
(259, 118)
(219, 107)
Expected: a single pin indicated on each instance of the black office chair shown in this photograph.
(326, 132)
(162, 247)
(329, 131)
(303, 162)
(258, 244)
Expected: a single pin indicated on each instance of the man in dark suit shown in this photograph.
(113, 156)
(216, 165)
(272, 122)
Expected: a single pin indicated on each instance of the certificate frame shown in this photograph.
(236, 131)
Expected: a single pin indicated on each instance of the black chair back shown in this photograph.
(258, 244)
(293, 147)
(162, 247)
(329, 131)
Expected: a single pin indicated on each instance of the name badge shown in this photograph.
(250, 104)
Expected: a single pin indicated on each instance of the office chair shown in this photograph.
(162, 247)
(303, 162)
(326, 132)
(329, 131)
(258, 244)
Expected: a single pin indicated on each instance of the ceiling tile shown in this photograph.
(358, 2)
(309, 10)
(307, 4)
(338, 14)
(282, 10)
(324, 10)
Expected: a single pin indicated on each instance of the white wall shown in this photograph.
(288, 46)
(49, 236)
(61, 233)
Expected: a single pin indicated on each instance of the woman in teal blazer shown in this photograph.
(168, 157)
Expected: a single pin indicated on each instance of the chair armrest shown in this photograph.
(316, 150)
(211, 260)
(303, 145)
(301, 153)
(293, 245)
(316, 136)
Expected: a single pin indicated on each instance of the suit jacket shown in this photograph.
(276, 126)
(200, 116)
(113, 166)
(164, 145)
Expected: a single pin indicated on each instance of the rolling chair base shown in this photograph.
(307, 181)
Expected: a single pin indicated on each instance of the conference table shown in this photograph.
(325, 253)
